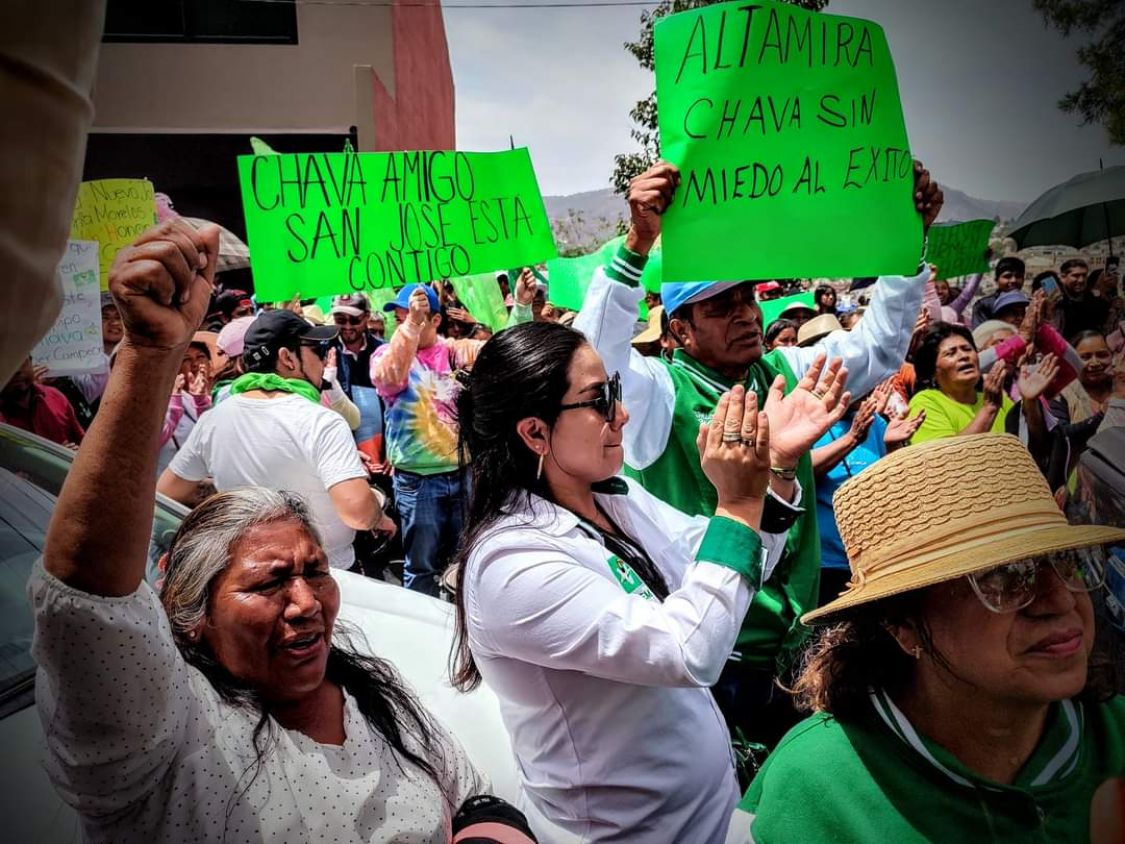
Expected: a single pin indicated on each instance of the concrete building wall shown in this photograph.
(383, 69)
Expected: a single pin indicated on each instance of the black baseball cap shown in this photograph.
(274, 330)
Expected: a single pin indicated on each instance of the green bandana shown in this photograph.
(270, 381)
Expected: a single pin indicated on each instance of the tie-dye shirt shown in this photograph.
(419, 391)
(420, 421)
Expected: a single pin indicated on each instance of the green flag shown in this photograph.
(787, 129)
(959, 248)
(772, 308)
(324, 223)
(570, 277)
(481, 296)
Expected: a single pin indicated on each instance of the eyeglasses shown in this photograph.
(343, 319)
(1011, 587)
(318, 347)
(606, 403)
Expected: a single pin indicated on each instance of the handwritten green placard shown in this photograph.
(788, 131)
(322, 223)
(113, 212)
(959, 248)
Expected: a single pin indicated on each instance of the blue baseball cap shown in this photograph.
(1009, 299)
(675, 295)
(403, 298)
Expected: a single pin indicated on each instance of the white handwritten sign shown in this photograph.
(74, 343)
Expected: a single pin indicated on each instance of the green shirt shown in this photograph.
(771, 626)
(946, 417)
(879, 780)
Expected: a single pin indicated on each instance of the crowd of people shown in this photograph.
(667, 542)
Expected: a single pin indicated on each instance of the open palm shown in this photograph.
(801, 418)
(900, 430)
(1033, 384)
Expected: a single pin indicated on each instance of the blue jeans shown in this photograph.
(430, 508)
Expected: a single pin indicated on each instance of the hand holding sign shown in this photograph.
(928, 197)
(525, 287)
(649, 194)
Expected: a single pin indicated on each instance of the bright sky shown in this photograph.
(979, 83)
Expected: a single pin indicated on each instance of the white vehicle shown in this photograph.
(411, 630)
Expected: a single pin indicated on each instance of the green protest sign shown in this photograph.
(481, 296)
(787, 129)
(322, 223)
(959, 248)
(772, 308)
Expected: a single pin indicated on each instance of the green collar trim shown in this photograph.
(273, 382)
(758, 377)
(1054, 758)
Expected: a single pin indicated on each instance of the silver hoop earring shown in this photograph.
(539, 471)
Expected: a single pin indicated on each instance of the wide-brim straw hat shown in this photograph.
(817, 328)
(934, 512)
(652, 333)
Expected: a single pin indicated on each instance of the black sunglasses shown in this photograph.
(606, 403)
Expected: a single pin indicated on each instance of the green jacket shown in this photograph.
(667, 401)
(880, 780)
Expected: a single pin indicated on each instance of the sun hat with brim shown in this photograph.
(937, 511)
(1013, 298)
(983, 332)
(209, 340)
(652, 333)
(676, 294)
(817, 328)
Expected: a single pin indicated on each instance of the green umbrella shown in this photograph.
(1087, 209)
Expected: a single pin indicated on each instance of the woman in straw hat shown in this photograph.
(952, 694)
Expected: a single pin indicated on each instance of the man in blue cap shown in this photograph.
(719, 327)
(415, 375)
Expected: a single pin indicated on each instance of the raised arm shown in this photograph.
(390, 369)
(162, 285)
(875, 349)
(524, 295)
(967, 293)
(610, 311)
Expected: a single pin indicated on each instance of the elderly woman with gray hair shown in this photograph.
(228, 708)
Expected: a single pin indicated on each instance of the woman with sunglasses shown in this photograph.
(953, 690)
(598, 614)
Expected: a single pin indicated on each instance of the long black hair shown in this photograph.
(521, 372)
(926, 355)
(199, 553)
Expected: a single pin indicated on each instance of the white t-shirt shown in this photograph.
(285, 443)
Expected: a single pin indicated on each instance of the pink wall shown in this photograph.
(419, 115)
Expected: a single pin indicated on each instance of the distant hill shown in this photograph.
(583, 221)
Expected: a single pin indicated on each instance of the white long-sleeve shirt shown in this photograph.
(604, 690)
(872, 352)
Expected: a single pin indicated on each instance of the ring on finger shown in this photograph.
(732, 437)
(819, 393)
